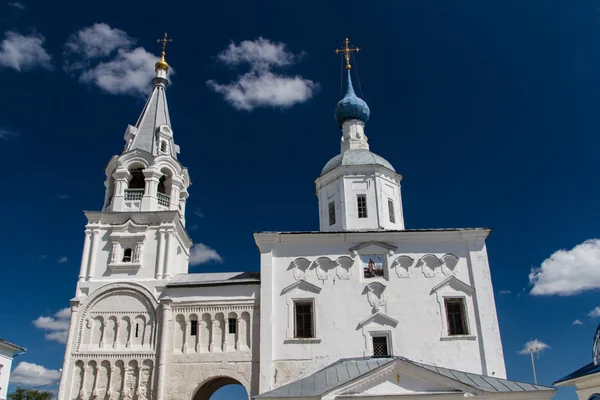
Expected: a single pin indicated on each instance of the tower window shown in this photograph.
(303, 313)
(138, 180)
(163, 146)
(332, 213)
(391, 210)
(380, 346)
(455, 312)
(127, 255)
(361, 201)
(137, 330)
(193, 327)
(232, 325)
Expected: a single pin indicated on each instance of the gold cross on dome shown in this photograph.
(163, 42)
(347, 50)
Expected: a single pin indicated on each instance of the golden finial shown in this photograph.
(162, 64)
(347, 50)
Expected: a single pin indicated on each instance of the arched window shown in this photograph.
(163, 146)
(161, 185)
(138, 180)
(127, 255)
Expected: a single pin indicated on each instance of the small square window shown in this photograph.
(232, 325)
(193, 327)
(127, 254)
(380, 346)
(332, 213)
(391, 211)
(361, 201)
(303, 318)
(455, 313)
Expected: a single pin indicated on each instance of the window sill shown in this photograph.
(124, 266)
(302, 340)
(459, 337)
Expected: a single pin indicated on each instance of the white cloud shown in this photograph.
(505, 292)
(568, 272)
(199, 213)
(57, 325)
(17, 4)
(595, 313)
(261, 87)
(63, 260)
(63, 196)
(24, 52)
(534, 345)
(104, 57)
(577, 322)
(6, 134)
(29, 374)
(200, 254)
(98, 40)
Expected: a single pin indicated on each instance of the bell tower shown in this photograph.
(357, 190)
(140, 233)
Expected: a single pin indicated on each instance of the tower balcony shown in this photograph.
(164, 201)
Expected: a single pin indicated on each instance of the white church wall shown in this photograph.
(6, 357)
(408, 298)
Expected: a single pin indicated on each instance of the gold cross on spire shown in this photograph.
(347, 50)
(163, 42)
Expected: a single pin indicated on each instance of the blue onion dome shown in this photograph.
(351, 107)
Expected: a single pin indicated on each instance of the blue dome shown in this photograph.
(351, 107)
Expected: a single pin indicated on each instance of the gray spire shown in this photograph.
(154, 115)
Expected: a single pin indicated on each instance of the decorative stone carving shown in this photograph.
(137, 254)
(114, 253)
(449, 263)
(299, 267)
(430, 265)
(376, 296)
(402, 265)
(344, 267)
(323, 266)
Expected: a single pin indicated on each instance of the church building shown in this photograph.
(363, 308)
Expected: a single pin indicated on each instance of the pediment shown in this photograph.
(373, 246)
(378, 318)
(395, 379)
(455, 284)
(129, 228)
(301, 285)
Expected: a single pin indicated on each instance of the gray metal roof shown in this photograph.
(154, 114)
(346, 370)
(215, 278)
(356, 157)
(12, 346)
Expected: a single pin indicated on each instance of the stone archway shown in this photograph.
(208, 388)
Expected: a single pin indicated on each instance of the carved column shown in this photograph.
(238, 343)
(168, 252)
(121, 183)
(160, 261)
(211, 347)
(225, 333)
(85, 256)
(185, 335)
(117, 329)
(84, 373)
(109, 381)
(94, 246)
(66, 368)
(162, 354)
(102, 329)
(130, 331)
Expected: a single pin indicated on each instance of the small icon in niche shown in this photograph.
(372, 265)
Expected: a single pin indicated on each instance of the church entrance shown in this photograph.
(222, 388)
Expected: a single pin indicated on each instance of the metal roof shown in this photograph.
(13, 346)
(215, 278)
(346, 370)
(589, 369)
(356, 157)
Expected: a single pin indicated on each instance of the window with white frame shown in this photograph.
(380, 346)
(456, 316)
(361, 202)
(303, 319)
(391, 211)
(331, 213)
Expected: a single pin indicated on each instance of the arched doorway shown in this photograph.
(221, 388)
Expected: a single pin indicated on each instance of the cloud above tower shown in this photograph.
(108, 58)
(24, 52)
(568, 272)
(261, 86)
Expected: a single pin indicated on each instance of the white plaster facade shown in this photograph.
(142, 327)
(7, 353)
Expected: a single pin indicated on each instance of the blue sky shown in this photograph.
(488, 109)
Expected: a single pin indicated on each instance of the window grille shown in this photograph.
(134, 194)
(163, 199)
(361, 200)
(332, 213)
(391, 211)
(380, 346)
(455, 312)
(304, 319)
(232, 325)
